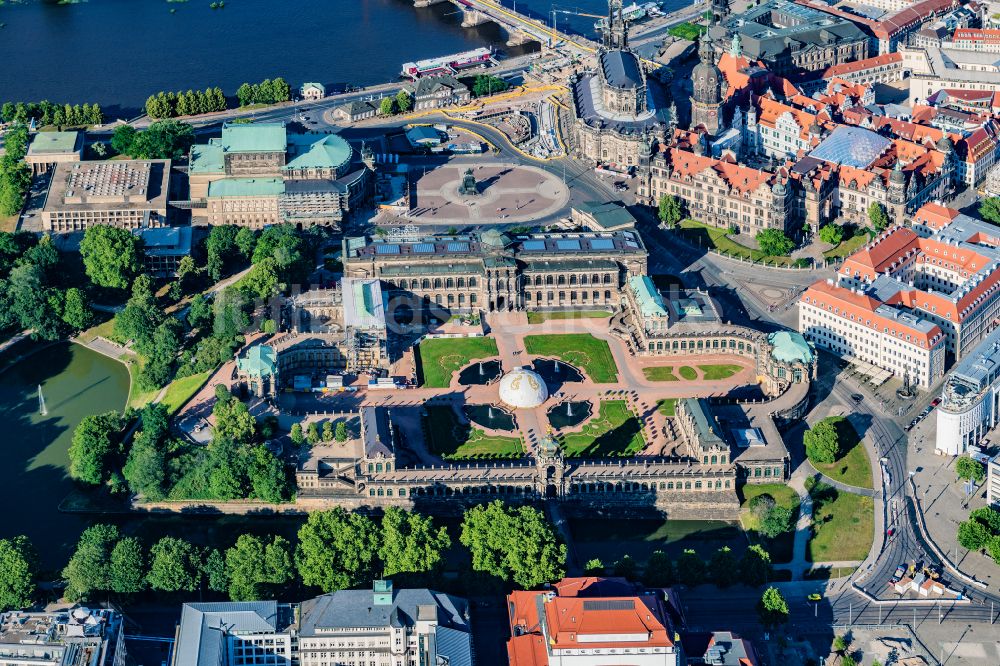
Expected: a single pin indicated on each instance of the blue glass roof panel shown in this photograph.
(533, 245)
(382, 248)
(602, 244)
(423, 248)
(852, 146)
(457, 247)
(571, 244)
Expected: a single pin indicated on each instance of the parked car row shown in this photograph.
(922, 415)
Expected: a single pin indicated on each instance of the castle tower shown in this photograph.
(706, 96)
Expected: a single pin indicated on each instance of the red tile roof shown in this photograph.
(862, 65)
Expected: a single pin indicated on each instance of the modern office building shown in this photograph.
(385, 627)
(164, 247)
(50, 148)
(587, 621)
(123, 193)
(73, 637)
(380, 627)
(238, 633)
(970, 399)
(993, 481)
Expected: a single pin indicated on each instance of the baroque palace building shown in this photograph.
(492, 271)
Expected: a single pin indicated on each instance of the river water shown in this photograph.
(117, 52)
(34, 476)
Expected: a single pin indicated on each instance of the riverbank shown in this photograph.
(43, 37)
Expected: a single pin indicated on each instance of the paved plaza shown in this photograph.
(507, 194)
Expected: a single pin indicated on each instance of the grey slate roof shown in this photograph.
(202, 637)
(356, 608)
(621, 69)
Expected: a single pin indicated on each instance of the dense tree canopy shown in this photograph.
(128, 566)
(95, 441)
(411, 543)
(822, 441)
(175, 566)
(112, 256)
(162, 140)
(774, 242)
(89, 569)
(969, 469)
(878, 217)
(18, 569)
(336, 549)
(670, 211)
(254, 567)
(772, 608)
(513, 544)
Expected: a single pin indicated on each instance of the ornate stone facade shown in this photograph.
(491, 271)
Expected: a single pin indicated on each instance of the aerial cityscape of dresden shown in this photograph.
(500, 332)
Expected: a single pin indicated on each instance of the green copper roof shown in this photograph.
(790, 347)
(207, 158)
(317, 151)
(260, 361)
(254, 138)
(246, 187)
(608, 215)
(53, 142)
(647, 296)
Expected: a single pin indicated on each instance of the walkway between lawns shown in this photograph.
(800, 562)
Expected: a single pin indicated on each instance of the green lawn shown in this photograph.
(843, 524)
(847, 246)
(181, 390)
(687, 372)
(781, 547)
(719, 371)
(453, 440)
(667, 406)
(538, 316)
(852, 468)
(686, 30)
(440, 358)
(663, 373)
(615, 431)
(102, 330)
(136, 397)
(582, 350)
(713, 237)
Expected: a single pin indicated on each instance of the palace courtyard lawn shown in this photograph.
(581, 350)
(440, 358)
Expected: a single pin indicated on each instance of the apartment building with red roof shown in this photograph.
(585, 621)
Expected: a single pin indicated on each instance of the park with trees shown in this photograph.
(500, 547)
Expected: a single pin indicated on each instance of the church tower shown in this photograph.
(706, 96)
(616, 32)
